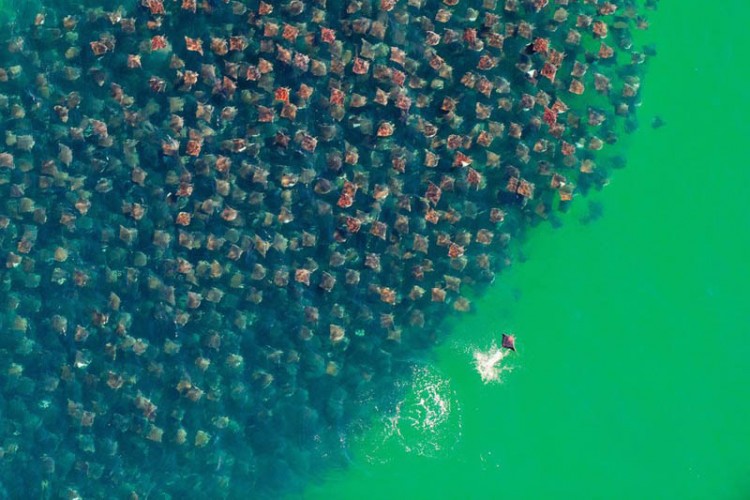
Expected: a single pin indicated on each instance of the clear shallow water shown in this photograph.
(632, 376)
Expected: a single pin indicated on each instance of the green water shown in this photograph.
(631, 379)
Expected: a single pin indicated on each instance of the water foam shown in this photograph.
(427, 422)
(489, 364)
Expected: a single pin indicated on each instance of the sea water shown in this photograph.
(632, 378)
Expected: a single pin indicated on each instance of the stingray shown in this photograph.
(509, 342)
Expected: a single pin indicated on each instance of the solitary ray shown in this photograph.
(509, 342)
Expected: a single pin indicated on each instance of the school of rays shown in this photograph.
(226, 225)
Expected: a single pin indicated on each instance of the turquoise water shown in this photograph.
(629, 379)
(632, 374)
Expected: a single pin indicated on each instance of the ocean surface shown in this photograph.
(632, 378)
(632, 320)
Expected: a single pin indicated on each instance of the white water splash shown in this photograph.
(427, 422)
(489, 364)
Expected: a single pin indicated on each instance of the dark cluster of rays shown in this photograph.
(226, 226)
